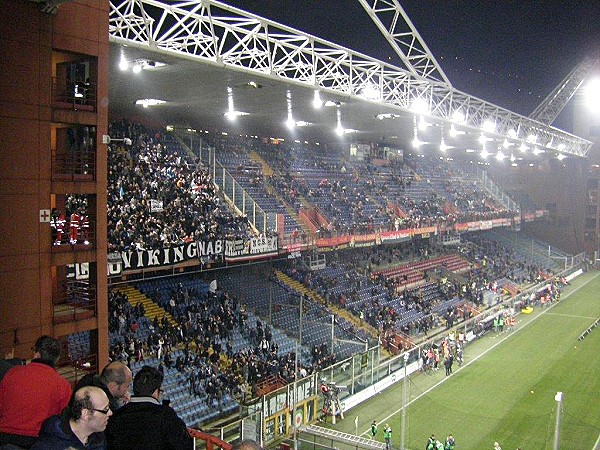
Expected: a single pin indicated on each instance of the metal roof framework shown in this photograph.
(552, 105)
(212, 32)
(401, 34)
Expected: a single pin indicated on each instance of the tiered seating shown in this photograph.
(259, 294)
(78, 345)
(415, 272)
(249, 175)
(528, 248)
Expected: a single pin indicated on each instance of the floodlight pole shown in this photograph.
(404, 402)
(332, 332)
(558, 397)
(298, 347)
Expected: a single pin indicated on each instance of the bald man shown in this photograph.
(115, 379)
(81, 426)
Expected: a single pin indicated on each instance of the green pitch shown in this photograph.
(505, 390)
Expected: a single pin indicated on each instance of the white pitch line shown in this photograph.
(443, 380)
(573, 316)
(597, 444)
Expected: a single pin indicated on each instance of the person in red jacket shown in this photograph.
(30, 394)
(74, 228)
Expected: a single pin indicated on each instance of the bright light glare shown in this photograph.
(523, 148)
(512, 134)
(482, 139)
(500, 155)
(317, 102)
(592, 95)
(419, 106)
(339, 130)
(290, 123)
(123, 64)
(370, 92)
(137, 68)
(454, 132)
(443, 146)
(458, 116)
(416, 143)
(488, 126)
(560, 157)
(149, 102)
(423, 124)
(484, 154)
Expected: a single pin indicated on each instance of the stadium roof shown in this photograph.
(221, 62)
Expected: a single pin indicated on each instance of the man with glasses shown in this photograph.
(145, 423)
(81, 425)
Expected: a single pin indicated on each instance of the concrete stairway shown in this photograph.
(302, 289)
(152, 309)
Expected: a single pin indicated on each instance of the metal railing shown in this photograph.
(74, 300)
(497, 192)
(71, 165)
(261, 220)
(77, 95)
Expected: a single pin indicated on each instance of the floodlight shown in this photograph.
(370, 92)
(419, 105)
(592, 95)
(560, 157)
(488, 126)
(317, 102)
(458, 116)
(290, 123)
(123, 64)
(483, 139)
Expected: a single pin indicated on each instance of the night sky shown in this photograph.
(512, 53)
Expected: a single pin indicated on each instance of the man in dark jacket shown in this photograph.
(114, 380)
(81, 425)
(144, 423)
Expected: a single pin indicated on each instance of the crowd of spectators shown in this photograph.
(205, 329)
(158, 197)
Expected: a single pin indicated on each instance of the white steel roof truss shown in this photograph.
(220, 33)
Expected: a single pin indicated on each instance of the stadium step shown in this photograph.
(349, 317)
(152, 309)
(266, 168)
